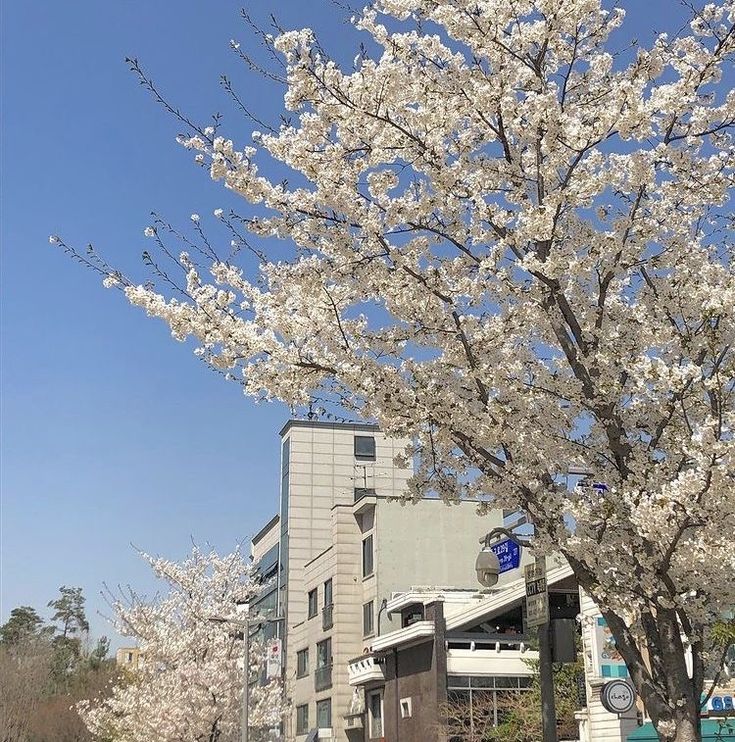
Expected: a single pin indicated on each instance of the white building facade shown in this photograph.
(345, 544)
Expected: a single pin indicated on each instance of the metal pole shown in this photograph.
(245, 728)
(546, 678)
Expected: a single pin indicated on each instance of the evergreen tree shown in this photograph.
(24, 623)
(67, 644)
(69, 609)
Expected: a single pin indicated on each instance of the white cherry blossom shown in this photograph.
(190, 680)
(513, 246)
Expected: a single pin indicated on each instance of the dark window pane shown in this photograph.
(312, 603)
(484, 682)
(324, 653)
(458, 681)
(367, 556)
(324, 713)
(302, 719)
(365, 447)
(367, 619)
(302, 663)
(328, 592)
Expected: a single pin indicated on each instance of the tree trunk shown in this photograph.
(686, 729)
(657, 664)
(668, 686)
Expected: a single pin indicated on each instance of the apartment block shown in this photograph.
(345, 544)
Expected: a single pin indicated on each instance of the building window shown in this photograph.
(375, 715)
(285, 490)
(327, 619)
(324, 654)
(312, 603)
(323, 673)
(367, 556)
(484, 698)
(302, 719)
(324, 713)
(302, 663)
(365, 447)
(406, 710)
(367, 619)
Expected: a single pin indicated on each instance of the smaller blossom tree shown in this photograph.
(190, 681)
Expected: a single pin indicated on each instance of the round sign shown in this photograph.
(617, 696)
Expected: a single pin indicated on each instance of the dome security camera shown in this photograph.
(487, 567)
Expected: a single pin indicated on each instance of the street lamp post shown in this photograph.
(244, 719)
(244, 625)
(488, 571)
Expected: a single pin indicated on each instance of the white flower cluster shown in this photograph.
(189, 683)
(513, 248)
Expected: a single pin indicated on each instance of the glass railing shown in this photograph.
(327, 621)
(323, 677)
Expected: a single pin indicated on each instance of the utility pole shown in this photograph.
(245, 721)
(245, 627)
(537, 614)
(546, 680)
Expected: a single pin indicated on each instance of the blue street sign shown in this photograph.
(508, 553)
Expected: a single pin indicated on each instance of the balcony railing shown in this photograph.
(323, 677)
(327, 620)
(498, 642)
(366, 668)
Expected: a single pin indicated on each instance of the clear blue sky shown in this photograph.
(112, 433)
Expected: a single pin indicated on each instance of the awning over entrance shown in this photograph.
(713, 730)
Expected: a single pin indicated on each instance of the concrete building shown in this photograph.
(264, 552)
(468, 651)
(344, 548)
(128, 657)
(471, 650)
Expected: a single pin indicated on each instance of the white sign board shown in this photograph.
(617, 696)
(537, 610)
(273, 659)
(537, 596)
